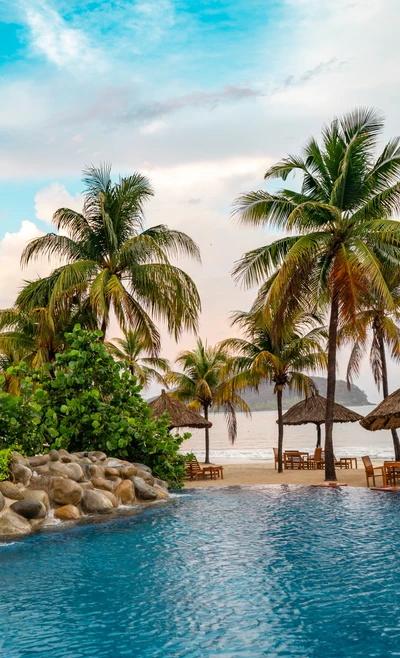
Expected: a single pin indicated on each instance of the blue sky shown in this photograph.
(200, 96)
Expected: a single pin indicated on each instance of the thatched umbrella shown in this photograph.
(180, 415)
(313, 409)
(386, 416)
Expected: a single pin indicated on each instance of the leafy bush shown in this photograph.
(87, 401)
(5, 459)
(20, 416)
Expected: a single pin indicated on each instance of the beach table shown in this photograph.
(294, 459)
(347, 462)
(391, 473)
(213, 472)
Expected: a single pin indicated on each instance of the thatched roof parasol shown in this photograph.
(386, 416)
(180, 415)
(312, 410)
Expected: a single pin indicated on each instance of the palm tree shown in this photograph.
(376, 324)
(117, 264)
(264, 357)
(34, 331)
(340, 229)
(132, 350)
(205, 384)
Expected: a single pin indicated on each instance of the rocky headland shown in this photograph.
(69, 486)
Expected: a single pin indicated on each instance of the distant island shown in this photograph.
(265, 399)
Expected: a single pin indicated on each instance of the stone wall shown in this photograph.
(67, 486)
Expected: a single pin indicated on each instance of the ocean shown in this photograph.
(259, 434)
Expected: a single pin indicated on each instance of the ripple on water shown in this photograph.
(249, 572)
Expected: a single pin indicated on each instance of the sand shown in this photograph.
(264, 473)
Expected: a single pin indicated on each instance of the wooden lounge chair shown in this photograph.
(315, 461)
(275, 457)
(392, 474)
(370, 470)
(194, 470)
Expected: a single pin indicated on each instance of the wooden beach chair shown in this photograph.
(193, 469)
(292, 459)
(370, 470)
(315, 461)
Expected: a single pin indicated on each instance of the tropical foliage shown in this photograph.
(265, 356)
(85, 400)
(205, 384)
(116, 265)
(131, 350)
(338, 232)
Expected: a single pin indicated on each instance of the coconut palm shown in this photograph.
(117, 264)
(262, 356)
(204, 384)
(131, 349)
(34, 330)
(378, 328)
(339, 231)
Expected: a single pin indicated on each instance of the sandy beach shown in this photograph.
(264, 473)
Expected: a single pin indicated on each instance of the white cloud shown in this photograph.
(11, 247)
(54, 196)
(153, 127)
(63, 45)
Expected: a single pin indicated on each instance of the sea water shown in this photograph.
(249, 572)
(258, 434)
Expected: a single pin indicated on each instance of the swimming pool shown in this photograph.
(219, 572)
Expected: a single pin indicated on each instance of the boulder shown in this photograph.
(143, 490)
(10, 490)
(45, 482)
(12, 524)
(2, 501)
(37, 494)
(146, 476)
(161, 483)
(66, 492)
(86, 485)
(101, 483)
(113, 472)
(42, 470)
(96, 502)
(21, 473)
(125, 492)
(67, 513)
(161, 493)
(67, 458)
(54, 456)
(85, 460)
(92, 471)
(29, 508)
(142, 467)
(34, 523)
(18, 458)
(110, 496)
(39, 460)
(98, 455)
(126, 472)
(114, 481)
(72, 471)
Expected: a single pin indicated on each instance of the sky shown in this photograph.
(201, 96)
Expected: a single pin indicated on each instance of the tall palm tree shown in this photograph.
(131, 349)
(205, 384)
(35, 330)
(340, 231)
(377, 326)
(262, 356)
(117, 264)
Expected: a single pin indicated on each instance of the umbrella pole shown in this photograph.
(318, 435)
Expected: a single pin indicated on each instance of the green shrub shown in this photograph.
(5, 459)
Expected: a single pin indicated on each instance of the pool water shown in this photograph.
(219, 572)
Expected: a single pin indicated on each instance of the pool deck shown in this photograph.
(264, 473)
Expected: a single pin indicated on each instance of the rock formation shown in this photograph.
(66, 486)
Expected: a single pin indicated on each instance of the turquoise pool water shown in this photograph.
(249, 572)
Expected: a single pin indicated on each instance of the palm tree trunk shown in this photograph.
(385, 387)
(280, 428)
(103, 328)
(330, 473)
(207, 433)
